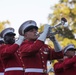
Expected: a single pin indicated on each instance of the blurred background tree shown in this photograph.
(67, 9)
(3, 24)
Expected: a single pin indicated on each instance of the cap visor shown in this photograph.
(30, 27)
(11, 33)
(72, 49)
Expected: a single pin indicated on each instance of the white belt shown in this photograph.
(14, 68)
(35, 70)
(1, 73)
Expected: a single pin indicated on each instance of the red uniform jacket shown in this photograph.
(67, 67)
(11, 59)
(1, 67)
(35, 56)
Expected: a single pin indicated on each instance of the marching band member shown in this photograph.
(9, 53)
(67, 65)
(34, 51)
(1, 66)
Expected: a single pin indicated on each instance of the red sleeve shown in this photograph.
(7, 50)
(30, 49)
(70, 62)
(55, 55)
(67, 63)
(59, 66)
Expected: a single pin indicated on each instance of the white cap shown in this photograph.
(7, 30)
(25, 25)
(1, 38)
(69, 47)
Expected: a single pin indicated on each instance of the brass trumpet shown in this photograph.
(63, 23)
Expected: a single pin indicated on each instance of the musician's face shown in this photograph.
(70, 53)
(9, 39)
(31, 34)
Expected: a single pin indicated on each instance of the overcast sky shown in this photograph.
(18, 11)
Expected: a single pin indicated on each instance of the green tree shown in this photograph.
(2, 25)
(67, 9)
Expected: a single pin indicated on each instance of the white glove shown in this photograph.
(43, 36)
(20, 40)
(56, 44)
(66, 24)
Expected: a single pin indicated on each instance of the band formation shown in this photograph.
(28, 54)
